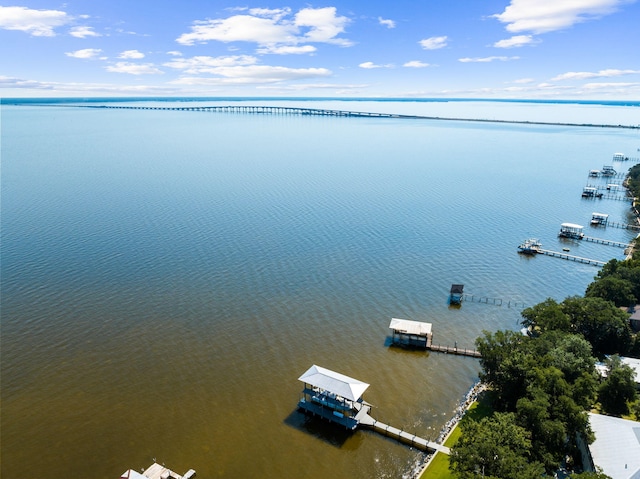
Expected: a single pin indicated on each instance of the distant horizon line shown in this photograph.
(22, 100)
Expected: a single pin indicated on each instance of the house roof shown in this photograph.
(633, 363)
(410, 327)
(617, 446)
(334, 382)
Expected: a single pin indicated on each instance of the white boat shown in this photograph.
(530, 246)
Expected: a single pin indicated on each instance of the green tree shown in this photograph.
(601, 323)
(618, 389)
(494, 447)
(546, 316)
(494, 349)
(612, 288)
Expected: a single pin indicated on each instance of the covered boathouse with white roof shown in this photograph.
(411, 333)
(333, 396)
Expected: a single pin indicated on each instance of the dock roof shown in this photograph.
(334, 382)
(410, 327)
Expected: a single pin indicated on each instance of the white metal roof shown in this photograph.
(131, 474)
(617, 446)
(334, 382)
(571, 225)
(603, 215)
(410, 327)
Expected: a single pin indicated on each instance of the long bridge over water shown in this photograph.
(285, 110)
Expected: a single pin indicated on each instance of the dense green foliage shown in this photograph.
(546, 382)
(599, 321)
(618, 389)
(495, 447)
(618, 281)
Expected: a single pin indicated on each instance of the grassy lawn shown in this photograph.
(439, 466)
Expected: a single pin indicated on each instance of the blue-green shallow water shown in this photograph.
(167, 277)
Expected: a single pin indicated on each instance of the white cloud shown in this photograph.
(287, 49)
(609, 86)
(83, 32)
(600, 74)
(18, 83)
(239, 28)
(85, 53)
(312, 86)
(515, 41)
(416, 64)
(371, 65)
(387, 23)
(254, 74)
(131, 55)
(134, 68)
(204, 64)
(524, 80)
(487, 59)
(276, 14)
(273, 29)
(434, 43)
(39, 23)
(324, 25)
(541, 16)
(175, 53)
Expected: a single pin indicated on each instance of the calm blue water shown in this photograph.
(167, 277)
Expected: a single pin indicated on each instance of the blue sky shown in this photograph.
(547, 49)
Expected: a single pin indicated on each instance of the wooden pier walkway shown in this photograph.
(623, 226)
(402, 436)
(557, 254)
(452, 350)
(618, 244)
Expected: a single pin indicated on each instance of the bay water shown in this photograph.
(168, 275)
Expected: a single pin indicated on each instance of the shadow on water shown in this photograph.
(398, 347)
(322, 429)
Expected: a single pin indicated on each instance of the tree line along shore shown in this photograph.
(541, 385)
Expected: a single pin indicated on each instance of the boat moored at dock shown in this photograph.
(591, 192)
(599, 219)
(530, 246)
(571, 230)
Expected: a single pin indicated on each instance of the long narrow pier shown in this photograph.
(496, 301)
(570, 257)
(623, 226)
(618, 244)
(451, 350)
(339, 113)
(402, 436)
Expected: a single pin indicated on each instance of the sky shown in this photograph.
(512, 49)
